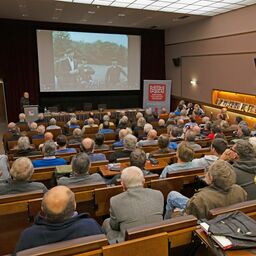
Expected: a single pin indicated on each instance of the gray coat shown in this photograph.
(134, 207)
(82, 179)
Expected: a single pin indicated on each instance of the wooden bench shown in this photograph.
(248, 207)
(167, 185)
(202, 152)
(179, 230)
(46, 175)
(148, 179)
(102, 199)
(14, 218)
(90, 245)
(151, 246)
(95, 166)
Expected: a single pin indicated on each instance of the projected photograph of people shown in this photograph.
(90, 60)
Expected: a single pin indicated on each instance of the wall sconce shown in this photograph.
(193, 82)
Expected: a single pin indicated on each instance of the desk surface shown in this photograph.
(205, 239)
(107, 173)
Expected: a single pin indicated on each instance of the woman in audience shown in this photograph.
(24, 148)
(139, 127)
(198, 111)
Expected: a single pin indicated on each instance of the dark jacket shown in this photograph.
(27, 152)
(246, 175)
(119, 154)
(43, 232)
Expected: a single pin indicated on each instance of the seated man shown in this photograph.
(175, 136)
(49, 159)
(24, 148)
(121, 135)
(222, 191)
(22, 120)
(40, 132)
(218, 146)
(129, 145)
(163, 142)
(77, 137)
(62, 146)
(33, 127)
(151, 139)
(59, 222)
(134, 207)
(48, 136)
(41, 119)
(190, 137)
(52, 125)
(80, 172)
(73, 123)
(105, 129)
(243, 133)
(99, 142)
(138, 158)
(87, 146)
(244, 158)
(185, 155)
(90, 124)
(21, 173)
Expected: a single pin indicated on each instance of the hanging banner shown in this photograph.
(157, 94)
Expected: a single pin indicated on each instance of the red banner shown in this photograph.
(157, 92)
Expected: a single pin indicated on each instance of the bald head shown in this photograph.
(132, 177)
(48, 136)
(11, 126)
(58, 204)
(87, 145)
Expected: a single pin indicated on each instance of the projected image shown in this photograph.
(79, 61)
(90, 60)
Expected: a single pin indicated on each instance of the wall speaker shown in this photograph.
(176, 62)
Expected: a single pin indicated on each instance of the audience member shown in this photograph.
(243, 132)
(139, 128)
(122, 133)
(73, 123)
(48, 136)
(49, 159)
(90, 124)
(99, 142)
(24, 148)
(40, 132)
(163, 142)
(22, 120)
(80, 172)
(244, 158)
(222, 191)
(134, 207)
(77, 136)
(52, 125)
(21, 173)
(60, 221)
(218, 146)
(40, 119)
(62, 145)
(129, 145)
(185, 155)
(175, 136)
(106, 118)
(33, 127)
(87, 146)
(223, 115)
(151, 139)
(190, 137)
(106, 128)
(198, 111)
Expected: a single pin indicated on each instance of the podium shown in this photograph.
(31, 112)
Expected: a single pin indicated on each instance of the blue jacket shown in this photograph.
(43, 232)
(49, 162)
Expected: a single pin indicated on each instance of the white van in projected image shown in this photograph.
(78, 61)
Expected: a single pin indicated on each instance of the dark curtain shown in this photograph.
(19, 65)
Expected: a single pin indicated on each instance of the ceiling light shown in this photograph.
(91, 12)
(120, 4)
(121, 15)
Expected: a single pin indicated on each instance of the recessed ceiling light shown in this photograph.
(91, 12)
(121, 15)
(58, 9)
